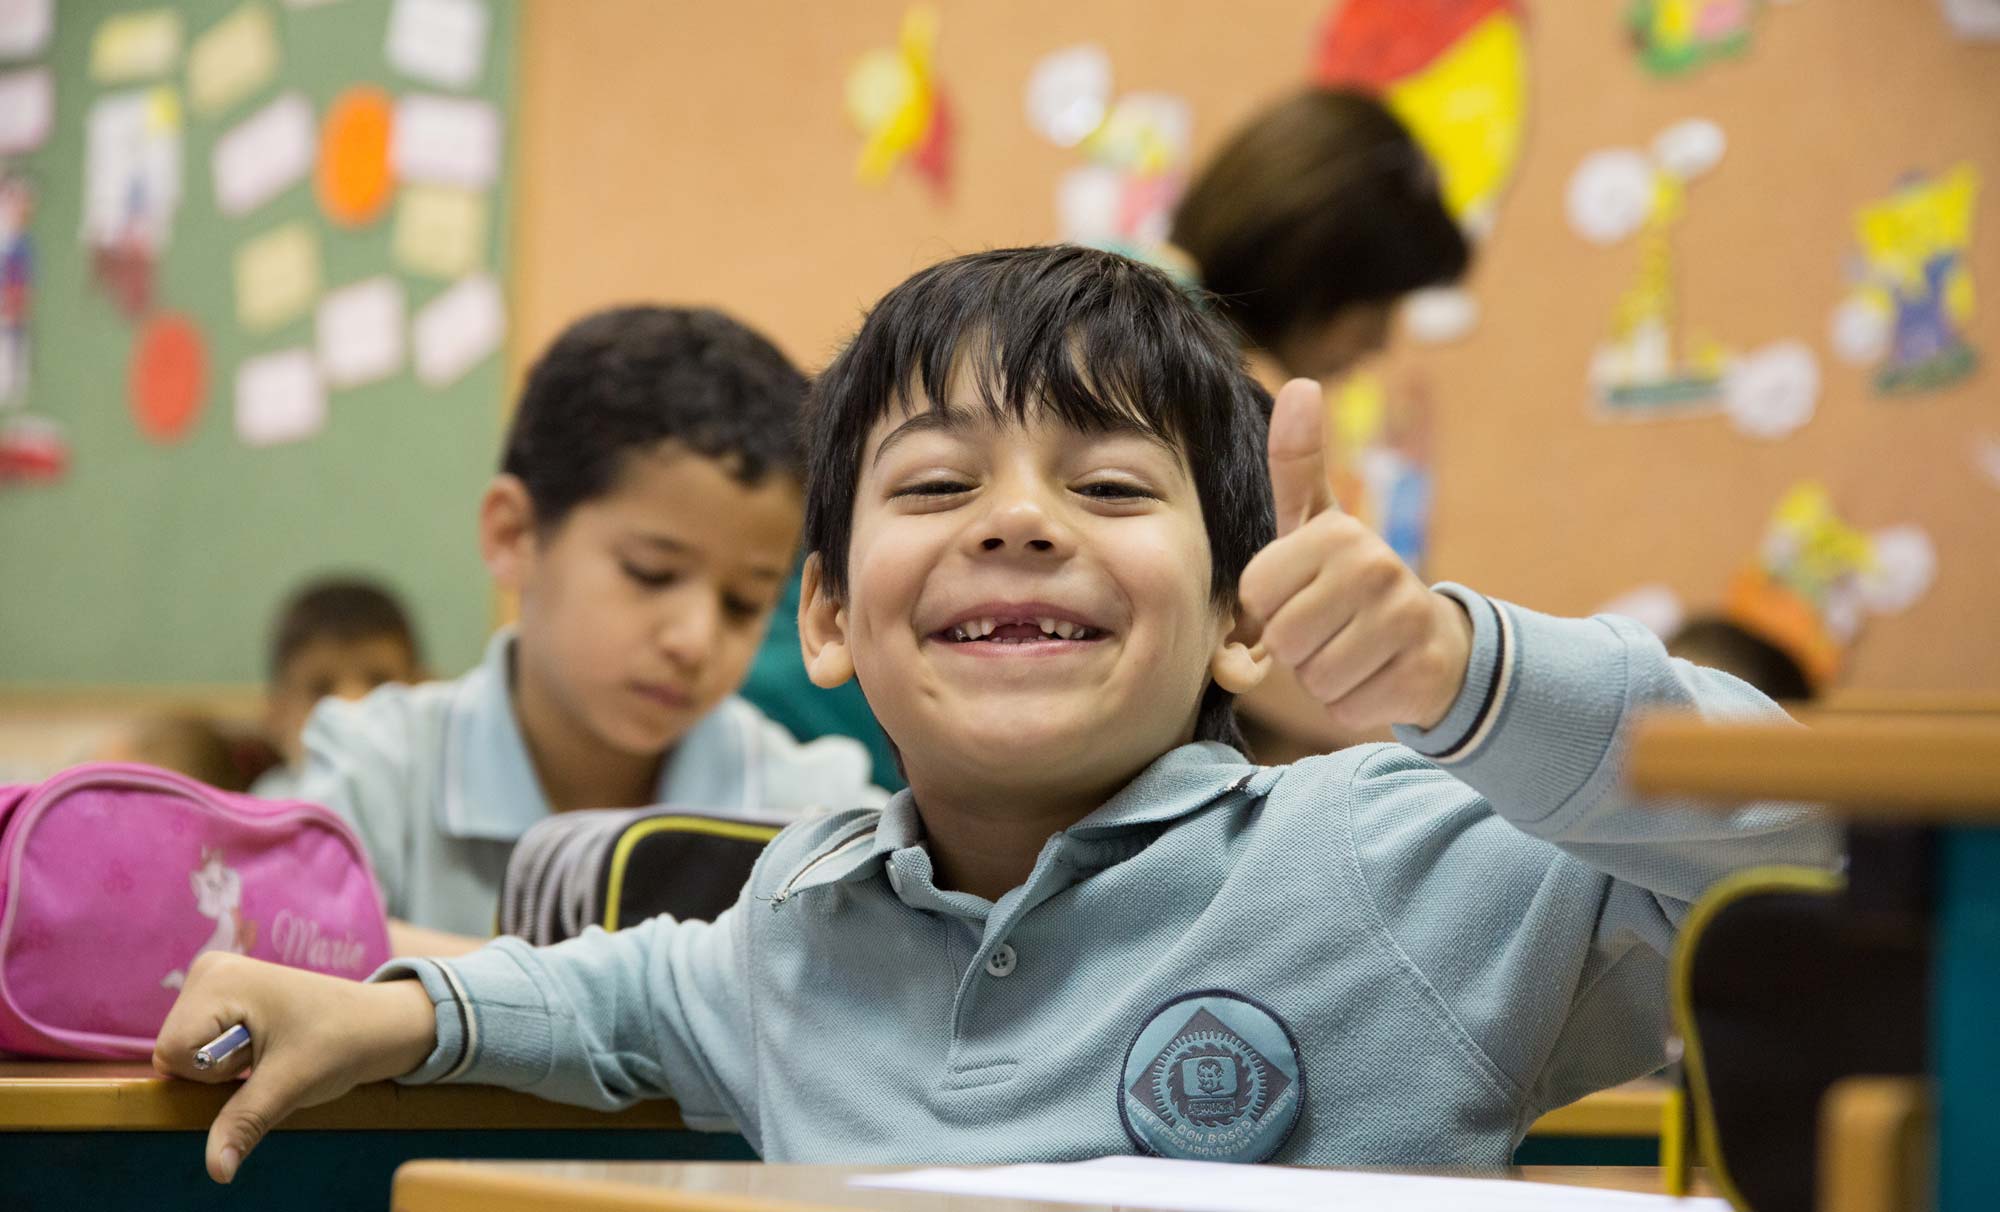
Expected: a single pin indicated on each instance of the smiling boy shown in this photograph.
(1041, 537)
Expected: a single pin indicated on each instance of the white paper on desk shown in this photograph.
(1185, 1186)
(264, 155)
(361, 332)
(135, 46)
(25, 27)
(438, 41)
(446, 141)
(27, 110)
(457, 330)
(236, 57)
(279, 398)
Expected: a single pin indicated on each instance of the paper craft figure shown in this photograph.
(895, 101)
(1136, 150)
(1677, 36)
(17, 286)
(1381, 459)
(1912, 300)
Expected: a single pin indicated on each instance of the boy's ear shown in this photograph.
(822, 629)
(507, 531)
(1240, 663)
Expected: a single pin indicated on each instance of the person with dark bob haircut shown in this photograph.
(646, 515)
(1047, 528)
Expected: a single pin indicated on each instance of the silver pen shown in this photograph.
(222, 1047)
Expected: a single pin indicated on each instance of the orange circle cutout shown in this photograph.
(353, 178)
(168, 377)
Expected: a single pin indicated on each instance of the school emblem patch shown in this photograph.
(1212, 1076)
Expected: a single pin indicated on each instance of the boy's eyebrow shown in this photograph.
(668, 543)
(948, 420)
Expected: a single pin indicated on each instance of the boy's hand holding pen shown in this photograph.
(306, 1039)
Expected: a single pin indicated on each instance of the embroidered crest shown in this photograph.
(1212, 1076)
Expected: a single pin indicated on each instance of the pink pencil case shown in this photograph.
(113, 878)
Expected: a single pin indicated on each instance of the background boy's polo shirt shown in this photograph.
(437, 780)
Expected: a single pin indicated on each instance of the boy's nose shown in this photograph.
(1021, 523)
(690, 629)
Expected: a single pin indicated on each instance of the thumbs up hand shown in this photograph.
(1363, 634)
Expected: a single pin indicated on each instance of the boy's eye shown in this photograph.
(1116, 490)
(652, 579)
(741, 609)
(933, 488)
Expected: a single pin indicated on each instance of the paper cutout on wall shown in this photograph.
(1911, 302)
(1816, 579)
(279, 399)
(1772, 392)
(1655, 607)
(131, 190)
(440, 230)
(233, 59)
(1646, 368)
(33, 450)
(168, 377)
(26, 27)
(1986, 457)
(458, 330)
(1137, 153)
(446, 141)
(1381, 459)
(277, 277)
(1973, 20)
(27, 110)
(1676, 36)
(1455, 72)
(264, 155)
(135, 46)
(440, 42)
(352, 178)
(894, 99)
(361, 332)
(17, 286)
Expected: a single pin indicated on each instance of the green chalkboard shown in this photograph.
(162, 562)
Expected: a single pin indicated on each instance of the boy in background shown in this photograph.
(646, 514)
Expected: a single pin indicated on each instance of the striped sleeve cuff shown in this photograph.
(1465, 727)
(455, 1032)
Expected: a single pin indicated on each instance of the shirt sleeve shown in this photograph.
(1535, 894)
(360, 763)
(602, 1020)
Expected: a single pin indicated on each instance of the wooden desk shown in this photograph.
(87, 1135)
(442, 1186)
(1631, 1110)
(1936, 770)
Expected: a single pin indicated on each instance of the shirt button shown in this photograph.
(1001, 962)
(895, 880)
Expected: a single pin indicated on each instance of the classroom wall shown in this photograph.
(698, 152)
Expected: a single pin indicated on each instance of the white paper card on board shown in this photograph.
(135, 46)
(26, 27)
(440, 230)
(1147, 1182)
(361, 332)
(440, 42)
(264, 155)
(277, 276)
(1069, 92)
(237, 56)
(457, 330)
(446, 141)
(27, 110)
(279, 398)
(132, 168)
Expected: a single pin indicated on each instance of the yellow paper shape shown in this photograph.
(135, 46)
(1465, 109)
(440, 230)
(277, 277)
(1901, 234)
(234, 59)
(889, 96)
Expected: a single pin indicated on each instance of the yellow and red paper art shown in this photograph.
(1912, 301)
(894, 99)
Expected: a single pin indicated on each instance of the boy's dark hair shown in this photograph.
(624, 380)
(1320, 202)
(1720, 644)
(343, 609)
(1101, 342)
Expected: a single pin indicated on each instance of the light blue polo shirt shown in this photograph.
(1392, 955)
(439, 784)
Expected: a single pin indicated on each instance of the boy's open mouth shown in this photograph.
(1019, 625)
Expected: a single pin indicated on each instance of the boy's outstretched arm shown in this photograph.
(312, 1039)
